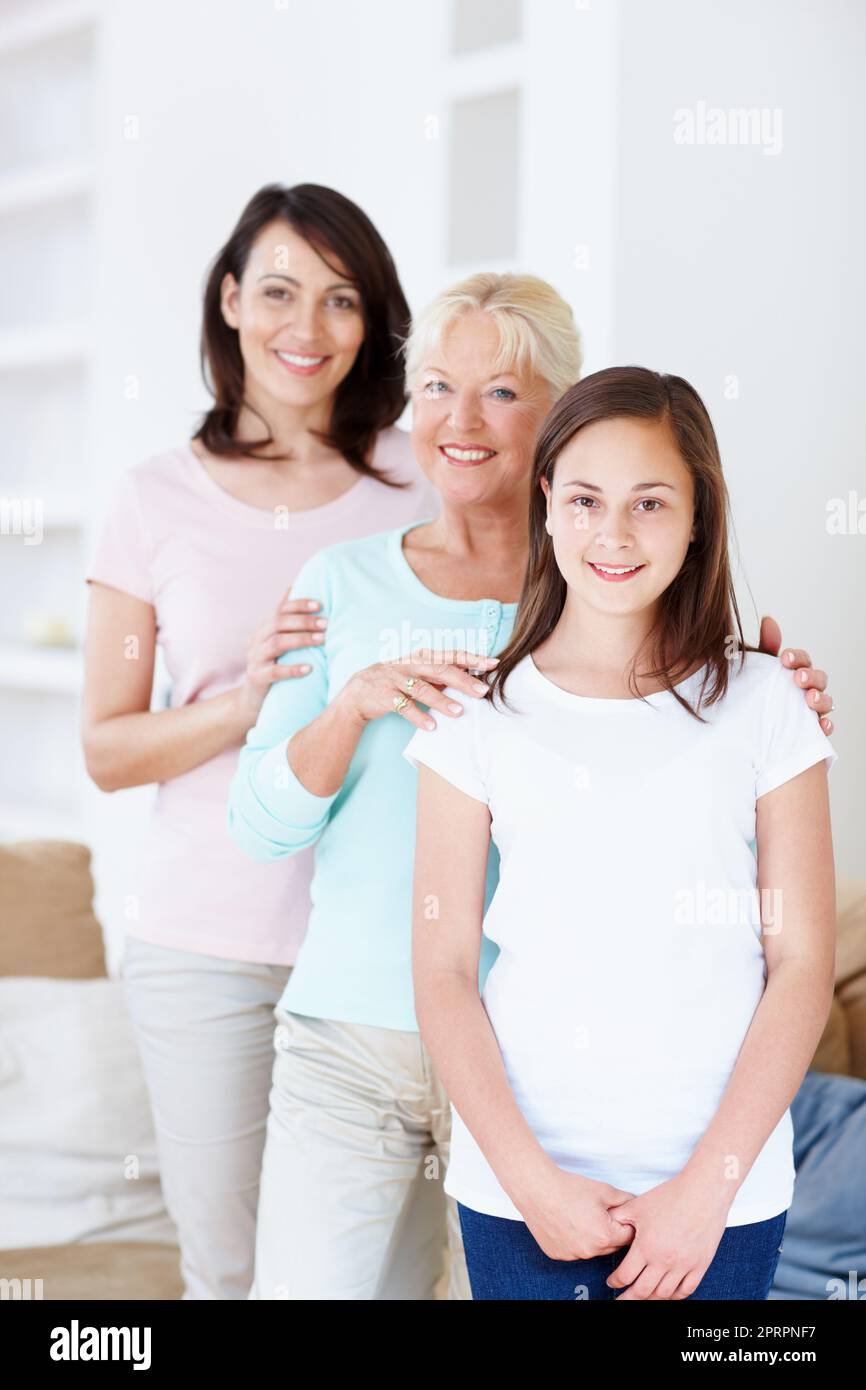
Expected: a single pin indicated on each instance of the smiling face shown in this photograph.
(473, 429)
(620, 513)
(299, 321)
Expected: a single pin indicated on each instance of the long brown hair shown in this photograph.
(698, 616)
(373, 394)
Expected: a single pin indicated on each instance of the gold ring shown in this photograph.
(400, 701)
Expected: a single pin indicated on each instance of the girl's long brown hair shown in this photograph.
(698, 616)
(373, 394)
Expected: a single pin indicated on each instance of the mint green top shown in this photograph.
(355, 963)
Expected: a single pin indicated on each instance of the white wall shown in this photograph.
(569, 188)
(228, 95)
(733, 262)
(707, 261)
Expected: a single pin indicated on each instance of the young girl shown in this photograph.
(665, 909)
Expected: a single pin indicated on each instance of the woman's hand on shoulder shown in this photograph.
(809, 679)
(419, 677)
(295, 622)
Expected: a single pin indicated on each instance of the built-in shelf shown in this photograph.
(484, 24)
(50, 670)
(60, 511)
(482, 80)
(63, 514)
(485, 70)
(42, 347)
(483, 187)
(49, 182)
(459, 269)
(21, 189)
(45, 23)
(23, 821)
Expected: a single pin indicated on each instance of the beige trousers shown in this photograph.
(206, 1034)
(351, 1203)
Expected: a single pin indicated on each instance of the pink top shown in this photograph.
(213, 567)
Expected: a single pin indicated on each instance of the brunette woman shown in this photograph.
(303, 317)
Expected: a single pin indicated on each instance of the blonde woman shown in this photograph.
(358, 1117)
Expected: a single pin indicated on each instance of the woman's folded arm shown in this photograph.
(271, 811)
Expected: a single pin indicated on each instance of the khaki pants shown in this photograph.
(205, 1032)
(351, 1203)
(204, 1028)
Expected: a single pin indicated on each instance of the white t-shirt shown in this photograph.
(627, 916)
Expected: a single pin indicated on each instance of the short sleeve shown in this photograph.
(791, 737)
(122, 554)
(451, 749)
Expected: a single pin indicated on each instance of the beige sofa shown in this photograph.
(49, 931)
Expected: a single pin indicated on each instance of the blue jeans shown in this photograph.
(505, 1261)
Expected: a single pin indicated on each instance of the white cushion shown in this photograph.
(77, 1145)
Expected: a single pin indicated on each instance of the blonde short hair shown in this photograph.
(537, 331)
